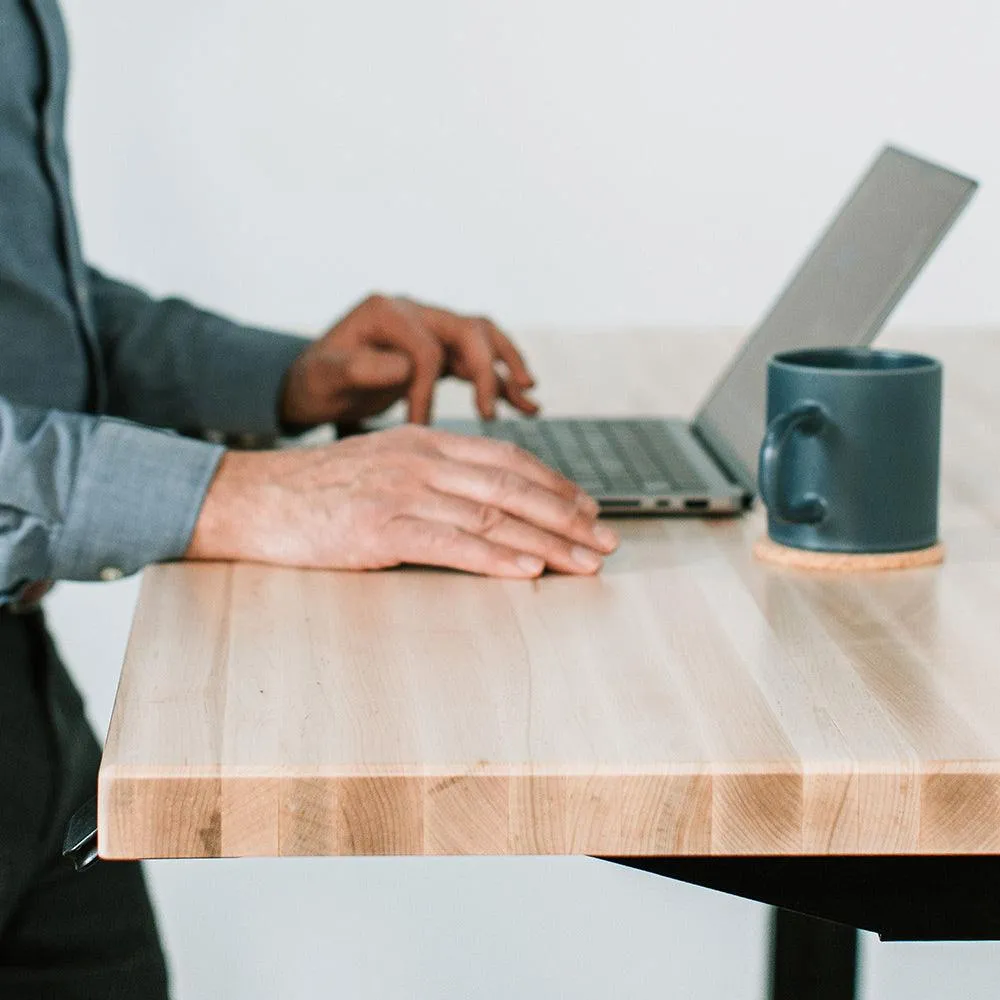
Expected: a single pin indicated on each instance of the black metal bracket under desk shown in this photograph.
(822, 901)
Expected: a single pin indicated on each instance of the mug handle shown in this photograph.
(807, 419)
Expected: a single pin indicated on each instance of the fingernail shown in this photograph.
(531, 564)
(585, 558)
(586, 502)
(606, 538)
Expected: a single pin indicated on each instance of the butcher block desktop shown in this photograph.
(688, 701)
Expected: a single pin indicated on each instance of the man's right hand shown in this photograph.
(407, 495)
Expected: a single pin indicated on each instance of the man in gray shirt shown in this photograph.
(95, 376)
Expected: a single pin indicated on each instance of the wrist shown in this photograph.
(295, 408)
(233, 507)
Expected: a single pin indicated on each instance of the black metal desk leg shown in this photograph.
(812, 959)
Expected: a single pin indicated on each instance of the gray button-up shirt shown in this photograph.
(90, 366)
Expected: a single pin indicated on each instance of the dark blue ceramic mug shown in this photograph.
(850, 459)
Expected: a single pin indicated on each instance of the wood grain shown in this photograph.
(689, 701)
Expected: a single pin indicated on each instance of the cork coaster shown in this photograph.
(844, 562)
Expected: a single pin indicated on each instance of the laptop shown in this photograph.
(841, 295)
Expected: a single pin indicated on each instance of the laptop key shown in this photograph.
(673, 465)
(622, 437)
(612, 470)
(606, 457)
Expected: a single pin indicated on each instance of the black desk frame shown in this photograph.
(822, 901)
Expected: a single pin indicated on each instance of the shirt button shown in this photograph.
(110, 573)
(82, 291)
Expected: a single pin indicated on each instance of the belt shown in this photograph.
(30, 600)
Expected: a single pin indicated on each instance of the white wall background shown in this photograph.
(566, 162)
(576, 164)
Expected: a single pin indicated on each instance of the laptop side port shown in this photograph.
(617, 503)
(696, 504)
(665, 504)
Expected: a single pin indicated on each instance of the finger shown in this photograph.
(516, 397)
(474, 358)
(502, 347)
(378, 368)
(472, 345)
(523, 498)
(509, 355)
(505, 529)
(507, 389)
(504, 455)
(432, 543)
(399, 328)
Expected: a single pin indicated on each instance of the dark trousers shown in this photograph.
(63, 935)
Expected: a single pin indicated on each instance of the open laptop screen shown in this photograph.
(841, 295)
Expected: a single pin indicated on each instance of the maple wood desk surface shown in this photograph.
(687, 701)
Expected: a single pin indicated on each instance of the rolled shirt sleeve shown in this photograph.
(85, 497)
(171, 364)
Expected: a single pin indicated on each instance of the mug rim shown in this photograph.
(913, 361)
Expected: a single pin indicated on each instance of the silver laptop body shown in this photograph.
(841, 295)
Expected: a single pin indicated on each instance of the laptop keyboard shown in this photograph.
(610, 457)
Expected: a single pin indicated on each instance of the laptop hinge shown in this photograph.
(724, 467)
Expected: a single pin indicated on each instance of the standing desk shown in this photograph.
(829, 744)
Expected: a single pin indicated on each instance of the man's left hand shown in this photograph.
(386, 349)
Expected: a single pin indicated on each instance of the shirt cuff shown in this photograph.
(248, 398)
(136, 499)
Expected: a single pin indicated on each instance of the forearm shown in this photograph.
(171, 364)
